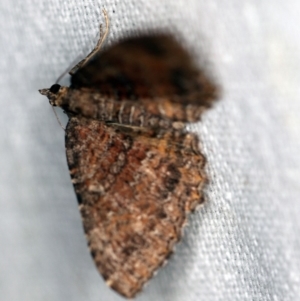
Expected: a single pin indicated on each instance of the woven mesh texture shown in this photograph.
(244, 243)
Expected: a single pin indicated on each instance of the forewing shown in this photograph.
(134, 188)
(153, 66)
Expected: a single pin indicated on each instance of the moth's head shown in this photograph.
(55, 94)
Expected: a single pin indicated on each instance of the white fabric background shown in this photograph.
(244, 243)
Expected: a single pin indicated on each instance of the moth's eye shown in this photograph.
(54, 88)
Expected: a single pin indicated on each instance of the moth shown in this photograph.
(137, 172)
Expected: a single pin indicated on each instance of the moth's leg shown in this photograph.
(97, 47)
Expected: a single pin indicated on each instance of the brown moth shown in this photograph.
(137, 172)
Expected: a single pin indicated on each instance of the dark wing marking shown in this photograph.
(153, 66)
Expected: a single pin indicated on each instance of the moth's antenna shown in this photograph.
(67, 70)
(97, 47)
(62, 75)
(57, 118)
(101, 40)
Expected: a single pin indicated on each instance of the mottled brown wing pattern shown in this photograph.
(135, 188)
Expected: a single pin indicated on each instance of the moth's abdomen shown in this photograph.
(157, 112)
